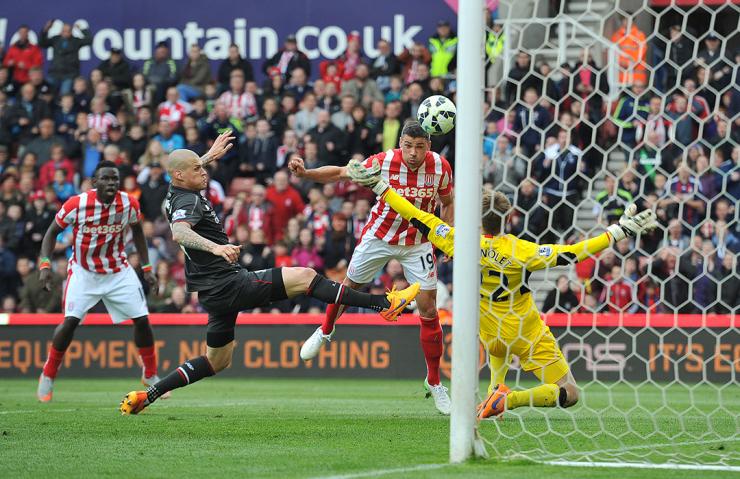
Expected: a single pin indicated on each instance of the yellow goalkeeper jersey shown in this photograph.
(507, 308)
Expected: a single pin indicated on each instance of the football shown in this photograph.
(437, 115)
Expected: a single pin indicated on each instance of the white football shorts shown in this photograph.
(121, 293)
(372, 254)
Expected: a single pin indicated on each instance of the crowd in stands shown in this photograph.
(674, 120)
(546, 135)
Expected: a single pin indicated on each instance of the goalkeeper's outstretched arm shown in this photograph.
(532, 255)
(439, 233)
(630, 224)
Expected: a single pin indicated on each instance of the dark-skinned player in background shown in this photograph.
(98, 270)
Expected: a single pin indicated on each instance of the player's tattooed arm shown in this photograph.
(184, 235)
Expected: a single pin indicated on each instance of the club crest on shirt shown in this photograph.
(178, 215)
(442, 231)
(429, 179)
(544, 251)
(118, 218)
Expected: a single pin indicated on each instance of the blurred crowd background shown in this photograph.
(550, 133)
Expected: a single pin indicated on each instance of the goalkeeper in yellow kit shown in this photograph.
(509, 320)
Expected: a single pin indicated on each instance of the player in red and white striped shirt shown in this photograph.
(422, 177)
(98, 269)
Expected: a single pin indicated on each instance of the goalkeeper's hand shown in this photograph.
(370, 177)
(631, 223)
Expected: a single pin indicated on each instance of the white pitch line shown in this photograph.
(30, 411)
(644, 465)
(643, 446)
(383, 472)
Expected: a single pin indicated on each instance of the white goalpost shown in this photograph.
(469, 128)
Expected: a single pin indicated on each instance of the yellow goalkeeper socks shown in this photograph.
(545, 395)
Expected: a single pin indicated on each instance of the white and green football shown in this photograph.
(437, 115)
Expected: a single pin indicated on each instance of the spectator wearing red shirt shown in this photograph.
(352, 56)
(619, 294)
(259, 213)
(99, 119)
(57, 161)
(255, 214)
(173, 109)
(318, 220)
(649, 297)
(286, 203)
(282, 256)
(331, 72)
(22, 56)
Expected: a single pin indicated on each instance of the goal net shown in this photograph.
(592, 106)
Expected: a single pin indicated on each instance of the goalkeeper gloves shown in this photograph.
(630, 224)
(370, 177)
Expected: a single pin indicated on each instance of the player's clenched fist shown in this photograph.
(296, 166)
(45, 278)
(229, 252)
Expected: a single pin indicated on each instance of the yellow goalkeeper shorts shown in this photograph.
(537, 353)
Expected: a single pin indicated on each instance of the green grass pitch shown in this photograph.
(331, 428)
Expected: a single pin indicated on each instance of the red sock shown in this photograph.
(51, 366)
(432, 344)
(333, 311)
(149, 358)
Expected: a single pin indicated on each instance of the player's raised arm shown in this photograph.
(221, 145)
(324, 174)
(542, 256)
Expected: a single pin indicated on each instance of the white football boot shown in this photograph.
(312, 346)
(45, 389)
(440, 396)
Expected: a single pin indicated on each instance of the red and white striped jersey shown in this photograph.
(102, 122)
(421, 187)
(99, 230)
(174, 112)
(241, 106)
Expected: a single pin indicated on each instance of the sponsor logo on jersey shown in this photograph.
(544, 251)
(395, 177)
(102, 229)
(429, 179)
(178, 215)
(415, 192)
(442, 231)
